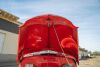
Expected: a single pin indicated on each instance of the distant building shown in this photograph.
(83, 53)
(8, 33)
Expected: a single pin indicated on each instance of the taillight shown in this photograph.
(29, 65)
(67, 65)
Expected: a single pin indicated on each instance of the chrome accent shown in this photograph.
(41, 52)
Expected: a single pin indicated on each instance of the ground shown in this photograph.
(92, 62)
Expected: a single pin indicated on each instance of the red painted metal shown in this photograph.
(38, 34)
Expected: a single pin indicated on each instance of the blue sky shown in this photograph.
(83, 13)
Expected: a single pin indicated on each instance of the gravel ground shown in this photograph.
(92, 62)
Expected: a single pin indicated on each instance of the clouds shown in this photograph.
(66, 8)
(83, 13)
(89, 32)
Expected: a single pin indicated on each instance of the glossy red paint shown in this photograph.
(38, 34)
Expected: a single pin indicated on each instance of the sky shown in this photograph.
(83, 13)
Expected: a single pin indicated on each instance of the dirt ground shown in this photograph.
(92, 62)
